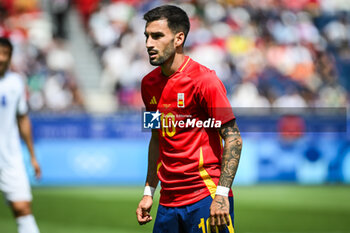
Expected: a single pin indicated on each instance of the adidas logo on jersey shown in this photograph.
(153, 100)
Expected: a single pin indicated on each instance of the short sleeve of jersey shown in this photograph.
(143, 94)
(22, 107)
(212, 97)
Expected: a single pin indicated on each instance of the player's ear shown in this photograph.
(179, 39)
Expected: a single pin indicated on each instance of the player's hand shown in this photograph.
(219, 213)
(36, 167)
(144, 209)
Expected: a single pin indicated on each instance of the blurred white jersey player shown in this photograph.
(14, 121)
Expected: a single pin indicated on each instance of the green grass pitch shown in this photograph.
(263, 209)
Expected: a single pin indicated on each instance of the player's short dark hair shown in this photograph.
(177, 18)
(6, 43)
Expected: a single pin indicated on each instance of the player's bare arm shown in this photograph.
(25, 130)
(219, 210)
(144, 208)
(153, 155)
(232, 152)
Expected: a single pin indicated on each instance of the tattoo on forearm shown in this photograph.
(232, 153)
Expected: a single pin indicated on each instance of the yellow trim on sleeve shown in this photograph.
(205, 176)
(221, 144)
(158, 166)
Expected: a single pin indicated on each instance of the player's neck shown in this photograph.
(173, 64)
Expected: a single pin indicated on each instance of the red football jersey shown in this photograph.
(189, 164)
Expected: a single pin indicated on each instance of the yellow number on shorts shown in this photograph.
(206, 227)
(201, 225)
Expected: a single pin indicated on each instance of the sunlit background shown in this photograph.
(83, 61)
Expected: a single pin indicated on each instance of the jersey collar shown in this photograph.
(183, 66)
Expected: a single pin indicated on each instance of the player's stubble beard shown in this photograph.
(168, 52)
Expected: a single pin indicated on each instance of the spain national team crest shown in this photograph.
(180, 100)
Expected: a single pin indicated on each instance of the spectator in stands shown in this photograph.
(45, 61)
(276, 46)
(59, 10)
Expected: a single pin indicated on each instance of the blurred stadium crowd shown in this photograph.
(40, 56)
(268, 53)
